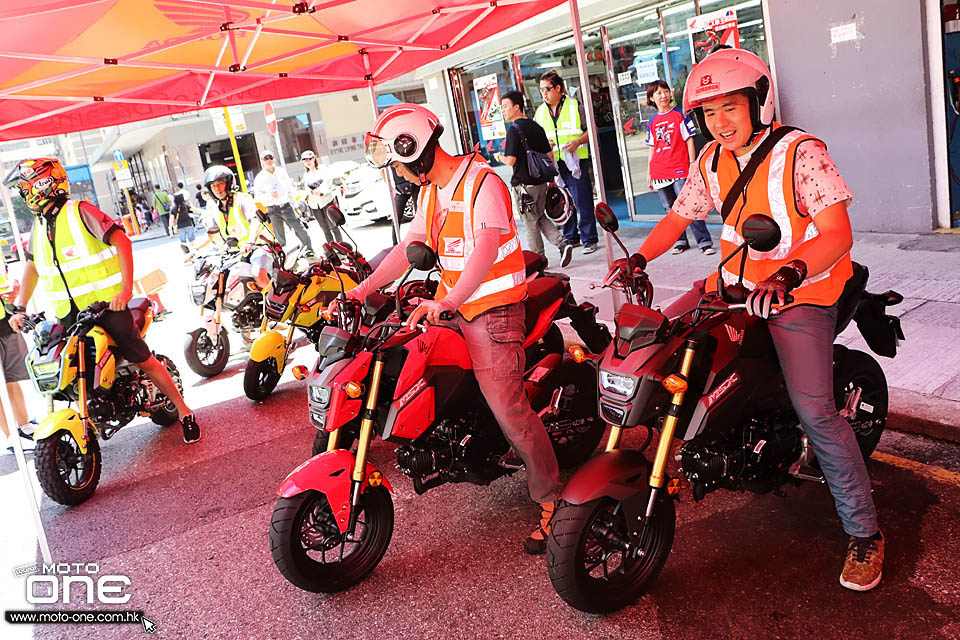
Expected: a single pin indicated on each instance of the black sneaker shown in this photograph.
(191, 430)
(566, 253)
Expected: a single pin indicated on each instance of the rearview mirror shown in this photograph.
(421, 256)
(232, 242)
(606, 218)
(335, 216)
(761, 232)
(262, 212)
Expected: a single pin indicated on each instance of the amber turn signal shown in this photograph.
(300, 372)
(674, 383)
(353, 389)
(577, 353)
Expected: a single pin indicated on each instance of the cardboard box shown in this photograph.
(150, 283)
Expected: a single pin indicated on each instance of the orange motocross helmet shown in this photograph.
(42, 180)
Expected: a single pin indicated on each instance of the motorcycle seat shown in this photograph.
(852, 291)
(541, 293)
(138, 308)
(534, 263)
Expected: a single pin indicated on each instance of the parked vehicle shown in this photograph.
(711, 378)
(334, 519)
(8, 243)
(297, 300)
(231, 282)
(80, 364)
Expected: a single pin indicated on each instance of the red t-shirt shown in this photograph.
(667, 133)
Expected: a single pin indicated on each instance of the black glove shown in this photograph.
(774, 290)
(636, 262)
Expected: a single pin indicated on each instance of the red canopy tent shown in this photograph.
(69, 65)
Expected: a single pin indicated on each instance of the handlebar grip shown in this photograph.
(715, 307)
(788, 299)
(447, 315)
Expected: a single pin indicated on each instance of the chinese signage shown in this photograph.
(346, 145)
(490, 117)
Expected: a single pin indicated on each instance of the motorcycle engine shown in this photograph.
(118, 407)
(247, 317)
(755, 458)
(455, 451)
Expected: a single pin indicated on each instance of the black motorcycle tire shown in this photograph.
(566, 555)
(197, 339)
(260, 378)
(858, 369)
(168, 414)
(346, 440)
(51, 453)
(286, 541)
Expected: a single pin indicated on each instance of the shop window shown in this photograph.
(411, 96)
(485, 84)
(295, 136)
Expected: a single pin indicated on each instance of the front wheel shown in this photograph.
(66, 474)
(592, 563)
(204, 356)
(309, 549)
(860, 391)
(260, 378)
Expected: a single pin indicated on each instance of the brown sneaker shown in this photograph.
(536, 544)
(863, 567)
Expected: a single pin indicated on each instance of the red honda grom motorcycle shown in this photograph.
(415, 388)
(709, 377)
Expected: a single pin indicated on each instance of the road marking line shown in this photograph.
(931, 471)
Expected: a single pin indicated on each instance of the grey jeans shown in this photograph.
(495, 344)
(331, 232)
(537, 223)
(803, 337)
(280, 213)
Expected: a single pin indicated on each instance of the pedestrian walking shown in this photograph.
(181, 222)
(13, 353)
(272, 188)
(162, 204)
(526, 135)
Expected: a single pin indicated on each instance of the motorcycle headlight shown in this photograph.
(320, 395)
(617, 383)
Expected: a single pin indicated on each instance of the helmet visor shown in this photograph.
(378, 151)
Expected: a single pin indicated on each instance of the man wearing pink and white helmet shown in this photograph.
(464, 213)
(730, 95)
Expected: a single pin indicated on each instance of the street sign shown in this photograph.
(271, 117)
(121, 171)
(220, 123)
(117, 155)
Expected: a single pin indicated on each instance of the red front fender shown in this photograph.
(329, 473)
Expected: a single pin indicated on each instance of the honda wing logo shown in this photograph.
(736, 335)
(201, 18)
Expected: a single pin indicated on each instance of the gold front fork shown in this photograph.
(363, 445)
(613, 440)
(82, 387)
(333, 440)
(669, 427)
(219, 301)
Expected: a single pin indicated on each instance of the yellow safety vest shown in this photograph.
(567, 127)
(235, 224)
(90, 267)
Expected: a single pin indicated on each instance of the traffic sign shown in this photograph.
(117, 155)
(121, 171)
(236, 120)
(271, 117)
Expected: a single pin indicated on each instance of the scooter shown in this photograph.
(224, 282)
(415, 388)
(80, 364)
(711, 378)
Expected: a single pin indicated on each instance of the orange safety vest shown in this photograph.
(506, 281)
(770, 192)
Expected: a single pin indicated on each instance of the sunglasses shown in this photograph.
(268, 157)
(548, 89)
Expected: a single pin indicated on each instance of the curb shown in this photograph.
(925, 415)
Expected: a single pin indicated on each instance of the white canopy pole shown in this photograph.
(387, 175)
(591, 124)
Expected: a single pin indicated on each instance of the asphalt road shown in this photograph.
(189, 526)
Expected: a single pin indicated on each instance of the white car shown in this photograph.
(364, 196)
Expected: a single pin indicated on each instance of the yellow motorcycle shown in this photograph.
(297, 301)
(80, 364)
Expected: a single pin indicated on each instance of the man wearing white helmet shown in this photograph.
(464, 213)
(730, 94)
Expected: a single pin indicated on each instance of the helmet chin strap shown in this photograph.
(755, 135)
